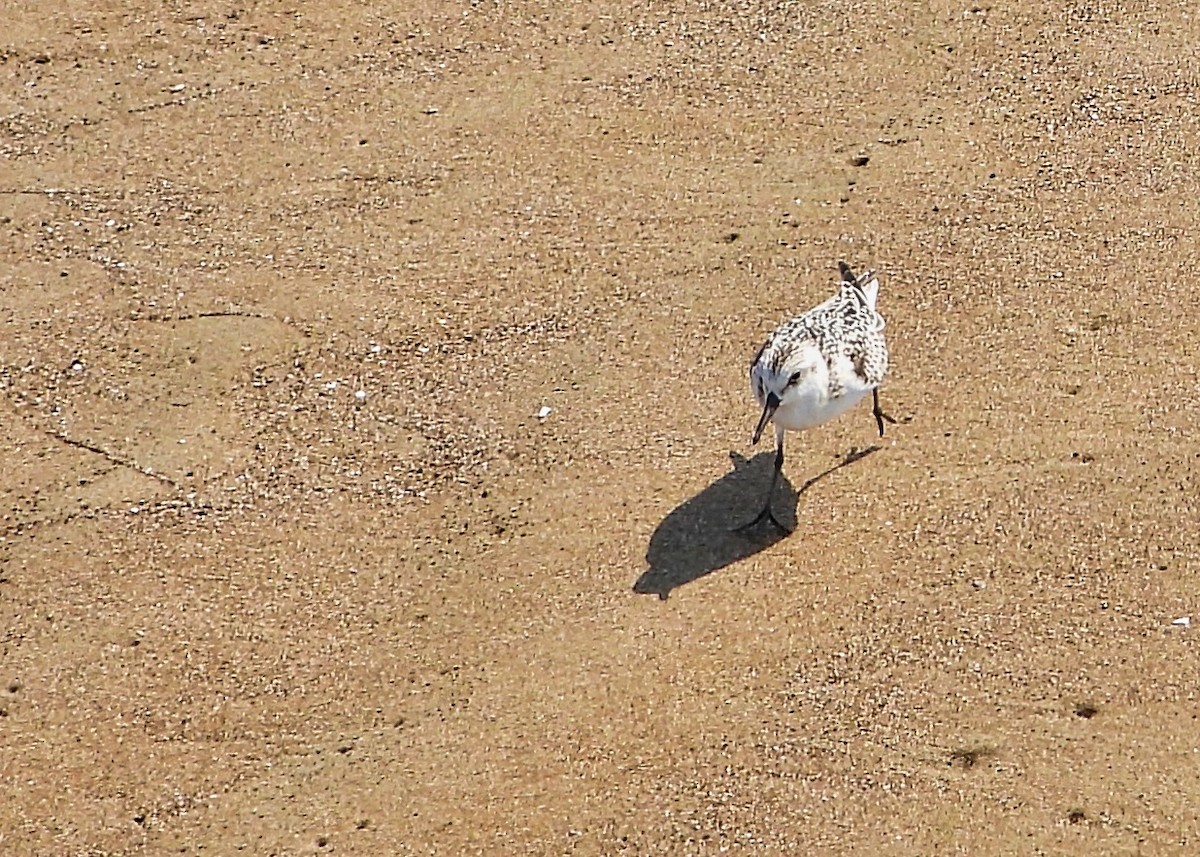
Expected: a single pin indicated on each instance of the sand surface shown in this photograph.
(290, 563)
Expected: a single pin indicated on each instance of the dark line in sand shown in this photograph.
(113, 458)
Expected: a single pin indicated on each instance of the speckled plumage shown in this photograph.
(818, 365)
(847, 331)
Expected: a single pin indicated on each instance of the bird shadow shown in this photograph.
(702, 534)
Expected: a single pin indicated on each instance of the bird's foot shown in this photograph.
(880, 416)
(878, 413)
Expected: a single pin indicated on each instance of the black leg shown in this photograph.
(880, 416)
(766, 513)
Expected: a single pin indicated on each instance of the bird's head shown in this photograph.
(778, 375)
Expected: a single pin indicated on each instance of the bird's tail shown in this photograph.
(866, 282)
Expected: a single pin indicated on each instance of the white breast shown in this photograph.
(809, 404)
(806, 407)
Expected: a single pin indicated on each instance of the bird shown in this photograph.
(817, 366)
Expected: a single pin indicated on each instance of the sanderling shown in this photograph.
(819, 365)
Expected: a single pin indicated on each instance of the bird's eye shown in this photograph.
(795, 379)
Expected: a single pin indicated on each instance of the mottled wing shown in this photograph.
(847, 326)
(756, 373)
(870, 359)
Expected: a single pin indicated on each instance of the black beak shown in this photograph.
(768, 412)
